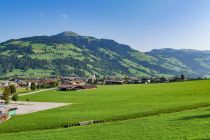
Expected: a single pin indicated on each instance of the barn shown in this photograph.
(75, 87)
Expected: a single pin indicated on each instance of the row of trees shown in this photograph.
(52, 84)
(10, 91)
(12, 62)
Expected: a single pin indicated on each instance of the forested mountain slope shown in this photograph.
(68, 53)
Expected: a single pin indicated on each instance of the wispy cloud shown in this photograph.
(64, 16)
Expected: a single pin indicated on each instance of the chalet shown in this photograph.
(145, 81)
(160, 80)
(114, 82)
(75, 87)
(73, 81)
(134, 81)
(66, 87)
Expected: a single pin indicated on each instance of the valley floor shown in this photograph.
(156, 111)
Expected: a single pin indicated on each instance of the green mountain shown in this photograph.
(195, 61)
(68, 53)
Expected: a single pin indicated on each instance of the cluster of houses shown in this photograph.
(63, 83)
(75, 83)
(78, 83)
(135, 80)
(120, 81)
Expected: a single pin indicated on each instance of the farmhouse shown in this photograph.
(73, 80)
(75, 87)
(145, 81)
(160, 80)
(114, 82)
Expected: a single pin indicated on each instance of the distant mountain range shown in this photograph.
(68, 53)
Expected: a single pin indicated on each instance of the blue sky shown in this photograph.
(142, 24)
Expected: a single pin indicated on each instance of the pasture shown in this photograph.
(192, 124)
(126, 108)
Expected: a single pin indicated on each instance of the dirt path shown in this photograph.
(36, 92)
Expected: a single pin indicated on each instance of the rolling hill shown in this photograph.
(68, 53)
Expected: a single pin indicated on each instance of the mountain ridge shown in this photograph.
(69, 53)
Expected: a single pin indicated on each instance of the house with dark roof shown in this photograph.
(68, 87)
(114, 82)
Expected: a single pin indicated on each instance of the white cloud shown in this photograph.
(64, 16)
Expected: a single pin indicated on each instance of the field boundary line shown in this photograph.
(143, 115)
(24, 94)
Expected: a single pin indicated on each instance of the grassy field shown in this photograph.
(18, 90)
(113, 103)
(193, 124)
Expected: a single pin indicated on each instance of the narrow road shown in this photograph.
(36, 92)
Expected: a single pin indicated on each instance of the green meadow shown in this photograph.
(192, 124)
(125, 111)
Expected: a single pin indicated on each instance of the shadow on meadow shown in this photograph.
(203, 116)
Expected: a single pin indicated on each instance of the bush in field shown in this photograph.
(55, 84)
(183, 77)
(27, 100)
(38, 86)
(12, 89)
(33, 86)
(15, 97)
(6, 95)
(43, 85)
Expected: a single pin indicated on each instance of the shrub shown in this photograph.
(15, 97)
(38, 86)
(12, 89)
(33, 86)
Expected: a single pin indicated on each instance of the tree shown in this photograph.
(33, 86)
(6, 95)
(182, 77)
(38, 86)
(12, 89)
(15, 97)
(54, 84)
(126, 80)
(27, 100)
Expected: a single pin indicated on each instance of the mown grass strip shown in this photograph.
(142, 115)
